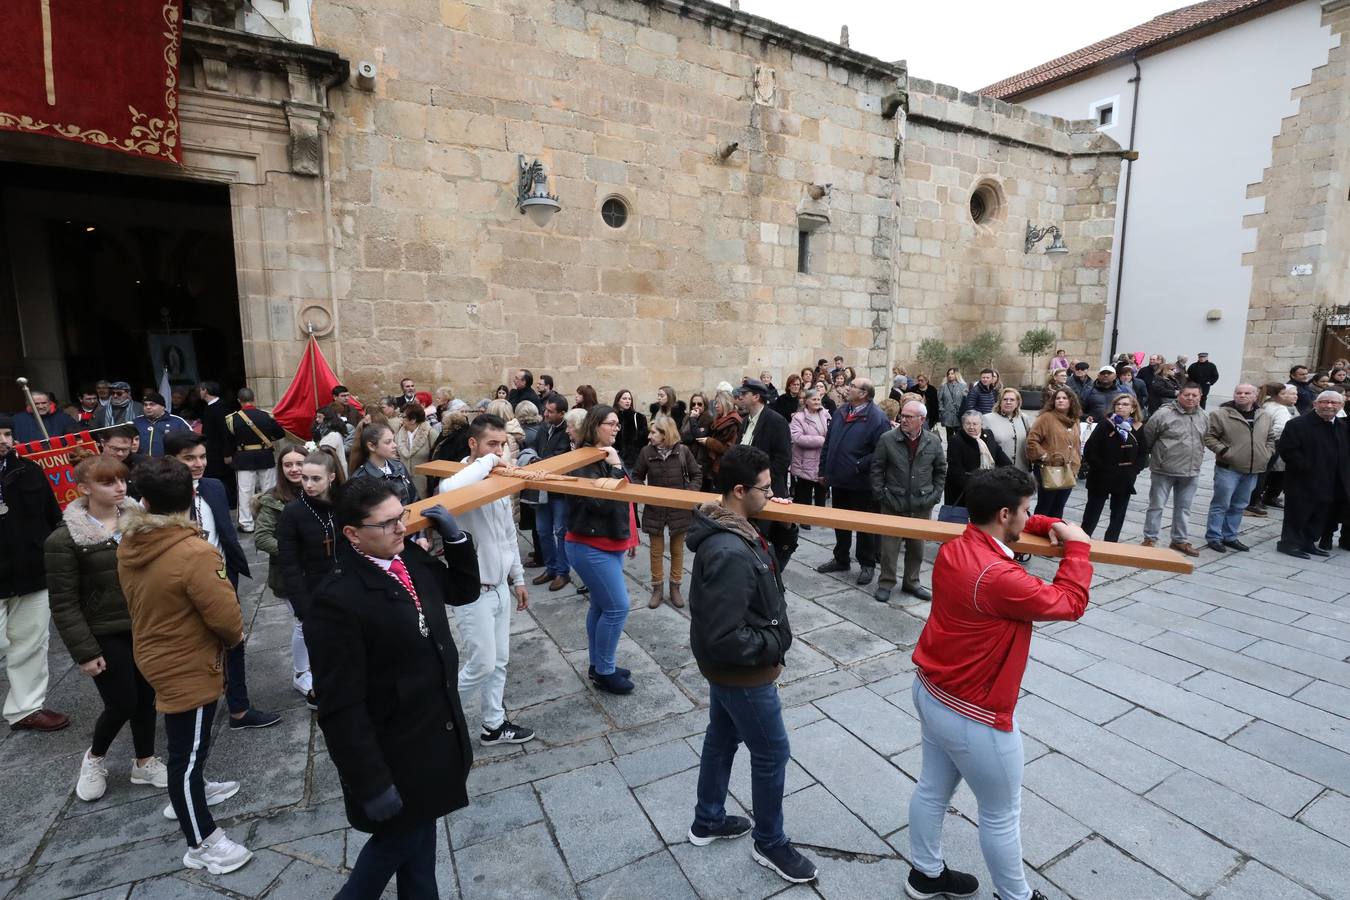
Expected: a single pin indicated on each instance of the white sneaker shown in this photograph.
(303, 682)
(93, 781)
(153, 773)
(217, 854)
(216, 792)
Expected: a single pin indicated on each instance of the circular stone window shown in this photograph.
(984, 203)
(615, 212)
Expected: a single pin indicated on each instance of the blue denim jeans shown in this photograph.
(752, 716)
(602, 572)
(409, 856)
(1232, 491)
(955, 747)
(550, 522)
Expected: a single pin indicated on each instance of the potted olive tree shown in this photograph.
(1035, 342)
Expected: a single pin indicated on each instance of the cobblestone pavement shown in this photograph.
(1189, 737)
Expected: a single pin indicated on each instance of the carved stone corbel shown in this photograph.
(305, 149)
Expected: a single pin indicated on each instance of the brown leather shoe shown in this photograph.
(532, 562)
(42, 720)
(541, 578)
(1183, 548)
(559, 582)
(657, 596)
(676, 600)
(1148, 542)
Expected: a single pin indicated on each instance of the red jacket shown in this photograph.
(973, 650)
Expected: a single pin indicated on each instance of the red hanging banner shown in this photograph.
(53, 456)
(311, 389)
(102, 73)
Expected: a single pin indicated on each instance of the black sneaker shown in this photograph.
(618, 670)
(506, 733)
(832, 566)
(786, 861)
(732, 827)
(254, 718)
(614, 683)
(948, 884)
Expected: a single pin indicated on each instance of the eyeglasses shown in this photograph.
(767, 489)
(910, 416)
(388, 525)
(614, 424)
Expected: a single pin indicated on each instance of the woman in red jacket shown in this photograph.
(969, 664)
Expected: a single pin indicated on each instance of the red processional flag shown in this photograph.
(103, 73)
(53, 456)
(311, 389)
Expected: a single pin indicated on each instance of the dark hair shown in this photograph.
(557, 401)
(125, 430)
(527, 376)
(1191, 385)
(1293, 369)
(1075, 404)
(284, 490)
(414, 412)
(369, 434)
(354, 500)
(548, 380)
(741, 466)
(991, 490)
(339, 389)
(590, 426)
(244, 395)
(211, 387)
(587, 394)
(620, 393)
(483, 422)
(501, 388)
(326, 457)
(179, 441)
(165, 484)
(154, 397)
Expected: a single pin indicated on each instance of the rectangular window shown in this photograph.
(1106, 116)
(804, 252)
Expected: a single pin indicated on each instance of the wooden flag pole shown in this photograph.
(497, 486)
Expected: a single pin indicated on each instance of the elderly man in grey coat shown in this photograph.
(1176, 436)
(909, 471)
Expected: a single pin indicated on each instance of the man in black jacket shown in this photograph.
(1204, 373)
(28, 513)
(385, 671)
(1314, 449)
(252, 433)
(739, 633)
(766, 430)
(219, 444)
(550, 516)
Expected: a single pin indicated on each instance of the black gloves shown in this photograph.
(446, 526)
(386, 805)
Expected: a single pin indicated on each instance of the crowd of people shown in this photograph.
(140, 574)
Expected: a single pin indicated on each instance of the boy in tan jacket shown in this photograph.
(184, 616)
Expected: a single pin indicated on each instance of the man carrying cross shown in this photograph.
(485, 624)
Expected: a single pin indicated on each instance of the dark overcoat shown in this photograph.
(388, 697)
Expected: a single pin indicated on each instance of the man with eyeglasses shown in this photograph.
(909, 472)
(120, 408)
(739, 633)
(1314, 449)
(385, 663)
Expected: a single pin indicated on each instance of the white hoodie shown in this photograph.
(493, 529)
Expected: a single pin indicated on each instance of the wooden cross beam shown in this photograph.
(495, 487)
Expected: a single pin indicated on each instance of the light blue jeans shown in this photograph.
(1232, 491)
(955, 747)
(602, 572)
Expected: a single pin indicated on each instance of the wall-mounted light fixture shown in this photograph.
(1036, 235)
(532, 196)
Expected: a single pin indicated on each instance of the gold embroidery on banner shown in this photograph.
(151, 136)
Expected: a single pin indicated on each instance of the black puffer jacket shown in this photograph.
(303, 557)
(963, 458)
(632, 436)
(738, 626)
(33, 513)
(596, 518)
(85, 594)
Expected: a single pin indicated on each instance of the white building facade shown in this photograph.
(1202, 107)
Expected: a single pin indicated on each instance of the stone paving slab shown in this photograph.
(1189, 737)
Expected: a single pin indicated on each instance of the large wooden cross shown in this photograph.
(494, 487)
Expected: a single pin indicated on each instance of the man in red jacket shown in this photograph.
(969, 664)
